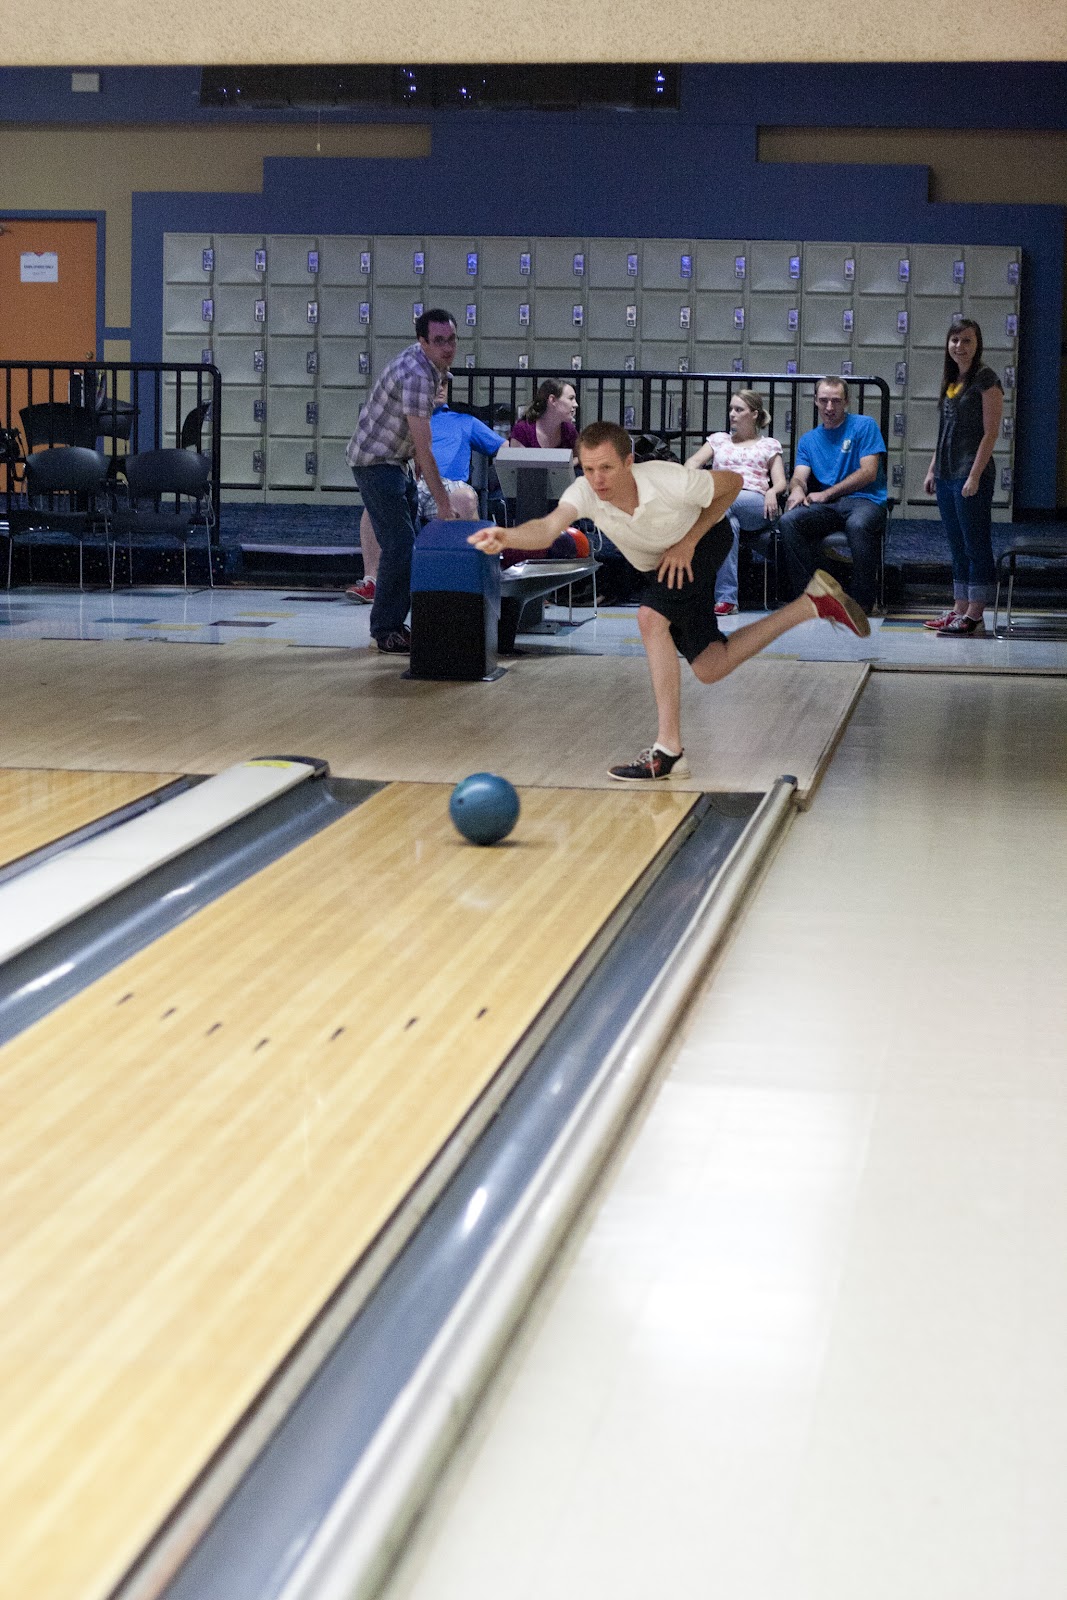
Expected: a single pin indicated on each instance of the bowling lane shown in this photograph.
(204, 1142)
(39, 806)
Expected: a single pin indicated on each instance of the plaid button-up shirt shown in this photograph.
(407, 387)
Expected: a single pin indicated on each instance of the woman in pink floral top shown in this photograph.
(759, 461)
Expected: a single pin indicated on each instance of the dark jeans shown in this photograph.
(392, 503)
(969, 526)
(862, 522)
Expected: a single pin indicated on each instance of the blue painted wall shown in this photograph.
(689, 173)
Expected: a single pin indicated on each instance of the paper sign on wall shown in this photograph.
(43, 268)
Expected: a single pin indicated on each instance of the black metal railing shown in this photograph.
(120, 408)
(679, 408)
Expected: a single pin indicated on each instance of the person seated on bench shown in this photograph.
(759, 461)
(453, 435)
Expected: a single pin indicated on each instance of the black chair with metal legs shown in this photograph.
(64, 489)
(1035, 547)
(182, 477)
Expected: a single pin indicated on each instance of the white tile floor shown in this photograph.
(293, 617)
(811, 1345)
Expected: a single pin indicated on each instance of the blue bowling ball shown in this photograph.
(484, 808)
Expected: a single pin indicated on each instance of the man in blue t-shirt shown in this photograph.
(838, 486)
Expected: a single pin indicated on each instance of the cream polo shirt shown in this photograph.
(669, 500)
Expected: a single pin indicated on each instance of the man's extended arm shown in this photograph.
(535, 535)
(422, 439)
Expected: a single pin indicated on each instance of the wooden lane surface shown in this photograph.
(199, 1147)
(37, 807)
(553, 720)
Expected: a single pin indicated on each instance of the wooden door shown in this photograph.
(47, 313)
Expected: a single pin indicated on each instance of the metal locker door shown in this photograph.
(287, 309)
(931, 320)
(720, 319)
(828, 319)
(345, 260)
(992, 271)
(925, 369)
(613, 314)
(338, 413)
(184, 255)
(999, 322)
(613, 264)
(554, 263)
(774, 319)
(393, 257)
(243, 410)
(774, 265)
(291, 464)
(452, 268)
(666, 264)
(344, 363)
(287, 362)
(501, 314)
(189, 308)
(937, 269)
(552, 315)
(291, 413)
(502, 261)
(922, 426)
(334, 472)
(235, 257)
(829, 269)
(339, 311)
(290, 258)
(880, 269)
(715, 357)
(239, 308)
(393, 313)
(721, 265)
(880, 320)
(919, 504)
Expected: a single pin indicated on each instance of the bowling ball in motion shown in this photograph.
(484, 808)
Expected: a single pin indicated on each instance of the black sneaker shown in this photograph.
(651, 764)
(397, 643)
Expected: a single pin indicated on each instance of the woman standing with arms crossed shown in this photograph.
(962, 475)
(759, 461)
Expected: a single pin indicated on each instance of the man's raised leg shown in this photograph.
(823, 597)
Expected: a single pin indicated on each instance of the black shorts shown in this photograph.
(690, 610)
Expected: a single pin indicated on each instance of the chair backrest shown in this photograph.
(55, 422)
(69, 470)
(193, 426)
(159, 472)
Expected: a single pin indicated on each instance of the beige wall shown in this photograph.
(202, 32)
(999, 166)
(99, 168)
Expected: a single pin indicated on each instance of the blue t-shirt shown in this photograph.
(832, 453)
(453, 435)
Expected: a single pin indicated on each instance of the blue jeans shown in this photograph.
(969, 527)
(862, 521)
(392, 503)
(747, 513)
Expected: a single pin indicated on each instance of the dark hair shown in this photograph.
(835, 382)
(551, 389)
(951, 372)
(424, 318)
(599, 433)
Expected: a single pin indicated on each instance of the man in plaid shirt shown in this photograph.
(392, 435)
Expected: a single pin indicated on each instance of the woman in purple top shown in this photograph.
(549, 423)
